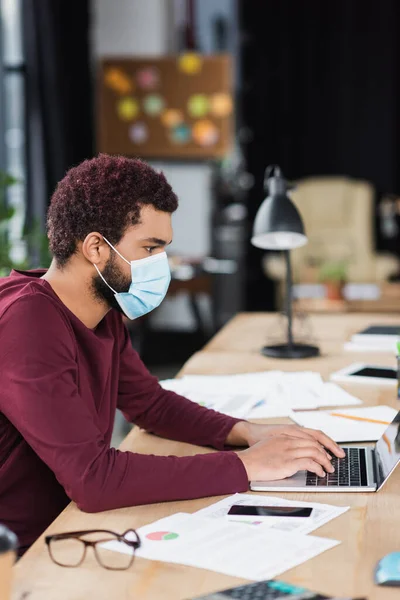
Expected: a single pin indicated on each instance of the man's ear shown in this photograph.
(95, 249)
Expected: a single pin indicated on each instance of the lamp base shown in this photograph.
(293, 351)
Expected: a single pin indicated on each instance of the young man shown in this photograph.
(67, 363)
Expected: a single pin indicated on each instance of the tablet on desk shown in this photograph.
(365, 373)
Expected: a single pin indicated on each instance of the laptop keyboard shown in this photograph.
(266, 590)
(350, 471)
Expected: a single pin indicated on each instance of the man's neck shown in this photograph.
(74, 291)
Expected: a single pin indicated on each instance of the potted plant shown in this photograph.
(38, 246)
(6, 214)
(36, 241)
(333, 276)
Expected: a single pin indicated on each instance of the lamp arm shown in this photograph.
(289, 298)
(271, 171)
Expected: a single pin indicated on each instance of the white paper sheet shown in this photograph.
(220, 545)
(354, 347)
(266, 394)
(322, 513)
(269, 410)
(229, 403)
(259, 383)
(299, 390)
(334, 395)
(379, 342)
(342, 429)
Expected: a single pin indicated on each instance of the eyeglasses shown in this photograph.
(69, 549)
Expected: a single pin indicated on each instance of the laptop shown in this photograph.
(364, 469)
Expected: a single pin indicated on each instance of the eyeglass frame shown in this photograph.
(77, 535)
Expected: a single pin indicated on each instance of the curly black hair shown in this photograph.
(103, 194)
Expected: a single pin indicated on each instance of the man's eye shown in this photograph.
(150, 249)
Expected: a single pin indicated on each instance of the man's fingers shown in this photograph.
(299, 432)
(309, 440)
(316, 454)
(309, 448)
(303, 433)
(307, 464)
(326, 441)
(320, 436)
(308, 434)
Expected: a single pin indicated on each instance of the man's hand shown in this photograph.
(278, 457)
(279, 451)
(248, 434)
(261, 432)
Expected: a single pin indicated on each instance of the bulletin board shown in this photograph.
(172, 107)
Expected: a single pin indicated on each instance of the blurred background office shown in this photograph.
(212, 92)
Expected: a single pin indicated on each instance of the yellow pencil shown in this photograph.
(334, 414)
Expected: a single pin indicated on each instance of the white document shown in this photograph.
(229, 403)
(322, 513)
(344, 429)
(297, 391)
(261, 383)
(269, 410)
(261, 395)
(334, 395)
(355, 347)
(378, 341)
(220, 545)
(329, 394)
(268, 394)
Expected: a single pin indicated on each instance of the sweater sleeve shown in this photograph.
(144, 402)
(41, 399)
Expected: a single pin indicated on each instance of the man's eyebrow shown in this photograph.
(157, 241)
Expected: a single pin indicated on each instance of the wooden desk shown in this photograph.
(367, 532)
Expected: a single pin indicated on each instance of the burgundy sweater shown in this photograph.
(60, 385)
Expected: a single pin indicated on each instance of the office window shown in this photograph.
(12, 117)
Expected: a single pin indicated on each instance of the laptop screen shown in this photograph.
(388, 450)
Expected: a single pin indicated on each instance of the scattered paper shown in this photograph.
(269, 410)
(266, 394)
(230, 403)
(299, 390)
(256, 383)
(381, 342)
(337, 396)
(219, 545)
(355, 347)
(344, 429)
(322, 513)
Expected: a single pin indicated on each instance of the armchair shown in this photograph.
(338, 214)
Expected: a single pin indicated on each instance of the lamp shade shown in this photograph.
(278, 224)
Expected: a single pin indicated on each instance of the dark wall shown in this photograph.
(58, 93)
(321, 93)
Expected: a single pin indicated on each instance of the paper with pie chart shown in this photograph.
(219, 545)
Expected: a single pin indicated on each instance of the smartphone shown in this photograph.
(239, 511)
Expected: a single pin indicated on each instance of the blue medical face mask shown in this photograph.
(151, 277)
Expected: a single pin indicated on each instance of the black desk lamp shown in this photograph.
(279, 226)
